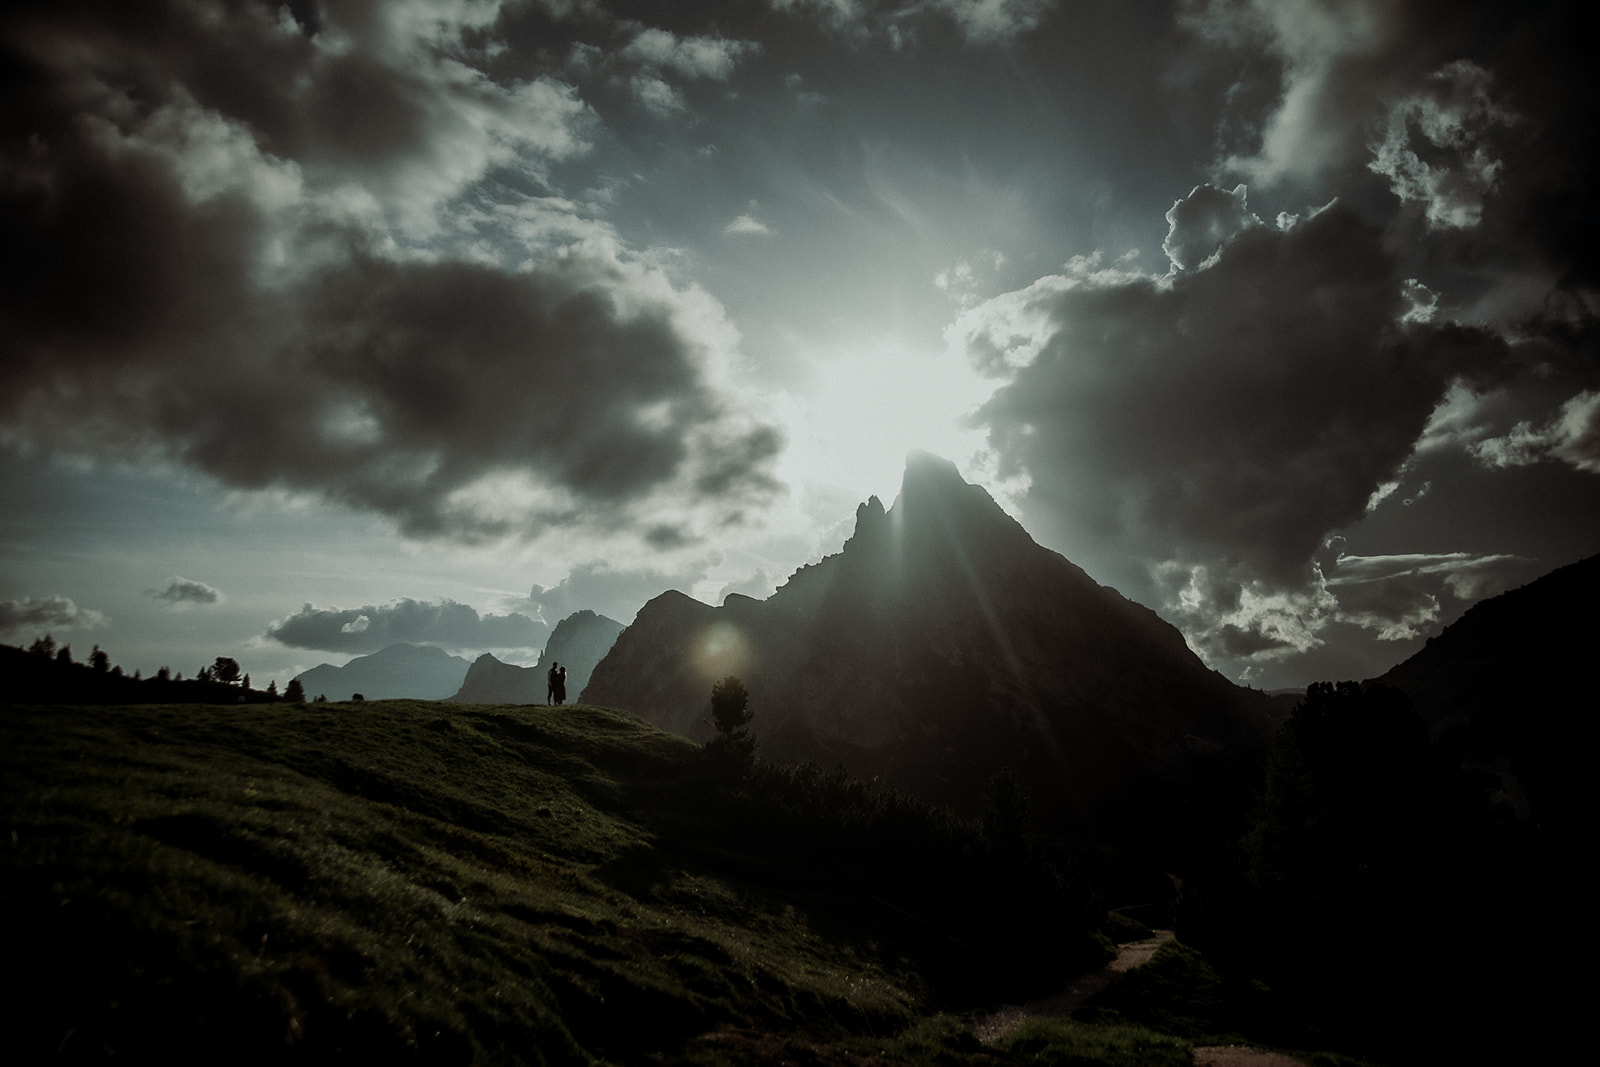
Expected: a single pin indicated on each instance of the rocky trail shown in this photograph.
(1008, 1017)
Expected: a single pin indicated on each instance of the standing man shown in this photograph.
(550, 694)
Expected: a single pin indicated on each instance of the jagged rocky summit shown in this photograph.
(940, 646)
(578, 642)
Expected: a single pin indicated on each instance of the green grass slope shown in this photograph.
(440, 883)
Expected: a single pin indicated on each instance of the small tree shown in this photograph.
(99, 660)
(225, 670)
(295, 691)
(731, 715)
(43, 646)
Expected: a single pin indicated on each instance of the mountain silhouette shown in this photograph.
(418, 672)
(941, 646)
(1503, 685)
(578, 642)
(490, 681)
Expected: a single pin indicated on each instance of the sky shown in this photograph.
(332, 324)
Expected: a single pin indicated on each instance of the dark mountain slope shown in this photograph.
(940, 646)
(1505, 685)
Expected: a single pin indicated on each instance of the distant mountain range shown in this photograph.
(578, 643)
(419, 672)
(426, 672)
(941, 646)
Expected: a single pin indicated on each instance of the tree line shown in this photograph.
(47, 673)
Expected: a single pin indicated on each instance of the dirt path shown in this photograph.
(1241, 1056)
(1008, 1017)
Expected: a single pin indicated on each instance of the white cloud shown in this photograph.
(746, 226)
(1202, 222)
(1454, 115)
(657, 96)
(1571, 435)
(181, 590)
(1399, 597)
(713, 58)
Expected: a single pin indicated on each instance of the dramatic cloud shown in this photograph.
(1337, 61)
(188, 591)
(1202, 222)
(42, 614)
(563, 286)
(1221, 422)
(1449, 120)
(308, 262)
(446, 623)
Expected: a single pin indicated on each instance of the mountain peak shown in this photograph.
(926, 465)
(931, 477)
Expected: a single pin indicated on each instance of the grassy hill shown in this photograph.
(510, 884)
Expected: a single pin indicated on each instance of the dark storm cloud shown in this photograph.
(188, 591)
(278, 262)
(445, 623)
(45, 613)
(1240, 412)
(1225, 419)
(1219, 424)
(1480, 113)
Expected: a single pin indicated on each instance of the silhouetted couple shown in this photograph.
(558, 684)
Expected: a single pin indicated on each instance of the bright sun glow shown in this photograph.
(867, 407)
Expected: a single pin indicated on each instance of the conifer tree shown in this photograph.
(731, 715)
